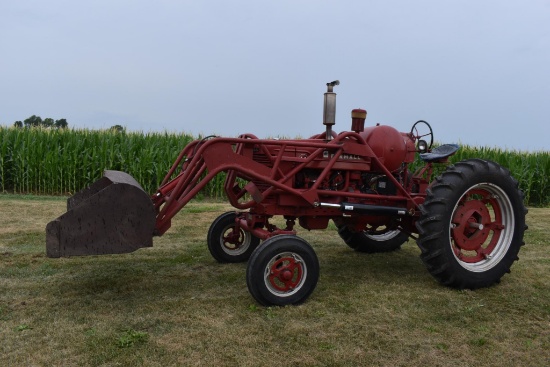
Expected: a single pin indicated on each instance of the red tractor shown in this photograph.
(468, 222)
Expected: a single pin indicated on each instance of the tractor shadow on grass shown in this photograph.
(124, 282)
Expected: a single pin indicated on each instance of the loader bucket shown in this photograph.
(112, 216)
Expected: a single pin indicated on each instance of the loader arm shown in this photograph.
(240, 158)
(226, 155)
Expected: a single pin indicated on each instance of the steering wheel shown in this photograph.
(422, 129)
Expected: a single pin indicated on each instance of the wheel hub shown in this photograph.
(470, 231)
(477, 225)
(233, 239)
(286, 274)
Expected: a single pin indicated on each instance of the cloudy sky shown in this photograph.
(477, 70)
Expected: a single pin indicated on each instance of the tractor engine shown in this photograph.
(393, 149)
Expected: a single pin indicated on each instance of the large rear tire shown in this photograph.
(283, 270)
(471, 225)
(229, 244)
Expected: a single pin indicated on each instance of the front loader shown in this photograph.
(468, 221)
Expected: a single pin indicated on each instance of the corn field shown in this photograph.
(63, 161)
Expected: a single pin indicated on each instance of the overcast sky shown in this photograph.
(477, 70)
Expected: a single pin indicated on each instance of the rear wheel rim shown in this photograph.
(481, 227)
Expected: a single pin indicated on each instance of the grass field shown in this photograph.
(174, 305)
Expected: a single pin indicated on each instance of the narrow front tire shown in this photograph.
(227, 242)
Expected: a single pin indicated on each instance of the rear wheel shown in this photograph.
(283, 270)
(372, 239)
(228, 243)
(472, 224)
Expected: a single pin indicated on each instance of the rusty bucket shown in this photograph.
(114, 215)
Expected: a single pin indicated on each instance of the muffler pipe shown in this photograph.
(329, 108)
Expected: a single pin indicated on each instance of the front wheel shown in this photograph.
(283, 270)
(472, 224)
(227, 242)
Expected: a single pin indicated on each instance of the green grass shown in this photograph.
(173, 305)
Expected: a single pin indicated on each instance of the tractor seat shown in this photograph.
(440, 153)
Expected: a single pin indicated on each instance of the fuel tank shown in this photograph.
(390, 146)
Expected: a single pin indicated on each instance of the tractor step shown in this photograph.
(114, 215)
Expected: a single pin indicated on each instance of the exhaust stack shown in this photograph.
(329, 108)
